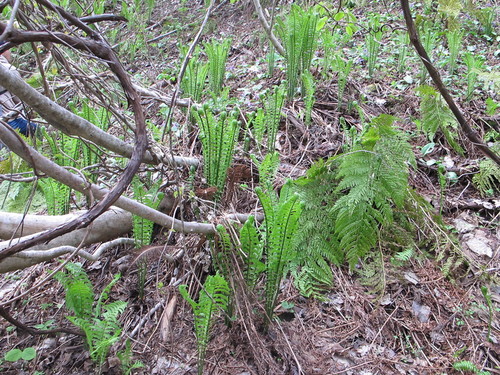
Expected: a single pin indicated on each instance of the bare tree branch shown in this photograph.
(267, 28)
(436, 77)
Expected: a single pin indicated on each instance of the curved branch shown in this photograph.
(73, 125)
(436, 77)
(267, 28)
(100, 49)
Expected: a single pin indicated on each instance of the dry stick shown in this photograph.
(436, 77)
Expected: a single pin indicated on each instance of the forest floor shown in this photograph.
(423, 322)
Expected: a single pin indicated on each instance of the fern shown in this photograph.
(470, 367)
(299, 34)
(217, 55)
(143, 228)
(252, 248)
(100, 324)
(315, 243)
(272, 114)
(281, 225)
(437, 116)
(308, 89)
(214, 296)
(78, 288)
(373, 273)
(343, 68)
(57, 196)
(193, 82)
(487, 180)
(373, 177)
(218, 136)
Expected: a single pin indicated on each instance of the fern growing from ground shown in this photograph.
(214, 297)
(487, 180)
(281, 225)
(437, 116)
(218, 135)
(373, 178)
(195, 77)
(100, 323)
(299, 33)
(217, 53)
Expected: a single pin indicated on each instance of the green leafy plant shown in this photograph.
(125, 357)
(403, 41)
(343, 68)
(469, 367)
(252, 248)
(315, 243)
(195, 77)
(272, 114)
(489, 303)
(217, 53)
(474, 65)
(454, 39)
(143, 228)
(218, 135)
(436, 115)
(280, 227)
(15, 355)
(213, 297)
(309, 88)
(299, 33)
(487, 180)
(100, 322)
(373, 42)
(373, 179)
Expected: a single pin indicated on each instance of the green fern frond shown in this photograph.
(214, 296)
(218, 136)
(143, 228)
(272, 110)
(217, 53)
(372, 273)
(78, 288)
(437, 116)
(252, 248)
(375, 176)
(279, 236)
(314, 278)
(487, 180)
(309, 88)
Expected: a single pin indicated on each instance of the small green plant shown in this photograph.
(15, 355)
(373, 179)
(143, 228)
(309, 88)
(474, 66)
(100, 322)
(218, 135)
(454, 44)
(487, 180)
(403, 41)
(272, 114)
(343, 68)
(436, 115)
(125, 357)
(280, 227)
(487, 297)
(299, 33)
(469, 367)
(214, 297)
(217, 53)
(57, 196)
(195, 77)
(252, 249)
(373, 42)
